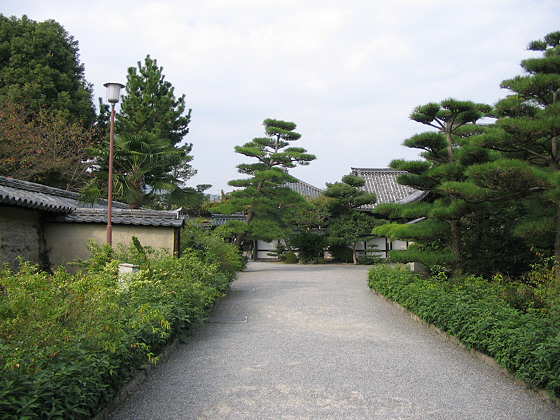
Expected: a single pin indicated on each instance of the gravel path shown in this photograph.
(313, 342)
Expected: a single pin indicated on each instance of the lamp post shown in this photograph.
(113, 96)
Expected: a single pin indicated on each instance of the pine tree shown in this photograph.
(149, 105)
(526, 135)
(151, 113)
(264, 197)
(346, 223)
(446, 153)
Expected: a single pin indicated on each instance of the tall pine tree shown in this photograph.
(526, 135)
(446, 152)
(264, 197)
(152, 123)
(149, 105)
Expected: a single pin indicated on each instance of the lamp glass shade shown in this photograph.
(113, 92)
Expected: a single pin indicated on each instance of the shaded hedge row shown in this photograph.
(478, 314)
(68, 343)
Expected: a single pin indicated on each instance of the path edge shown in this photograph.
(141, 375)
(486, 359)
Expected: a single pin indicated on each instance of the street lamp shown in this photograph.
(113, 96)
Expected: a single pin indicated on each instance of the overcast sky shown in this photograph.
(348, 73)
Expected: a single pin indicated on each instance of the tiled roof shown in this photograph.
(137, 217)
(305, 189)
(68, 208)
(383, 182)
(222, 219)
(35, 196)
(41, 197)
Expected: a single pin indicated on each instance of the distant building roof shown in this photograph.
(221, 219)
(383, 182)
(67, 208)
(305, 189)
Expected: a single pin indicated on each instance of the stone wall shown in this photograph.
(20, 235)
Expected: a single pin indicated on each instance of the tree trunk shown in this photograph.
(557, 239)
(449, 146)
(240, 236)
(455, 246)
(557, 249)
(354, 258)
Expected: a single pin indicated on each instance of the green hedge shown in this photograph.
(68, 343)
(478, 313)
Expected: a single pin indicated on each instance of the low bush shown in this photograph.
(309, 245)
(291, 257)
(342, 254)
(68, 343)
(480, 314)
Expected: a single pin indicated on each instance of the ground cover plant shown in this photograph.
(516, 323)
(68, 343)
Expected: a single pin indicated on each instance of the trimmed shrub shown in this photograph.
(478, 314)
(68, 343)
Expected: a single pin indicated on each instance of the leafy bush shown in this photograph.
(342, 254)
(310, 245)
(280, 250)
(479, 315)
(369, 258)
(212, 248)
(291, 257)
(68, 343)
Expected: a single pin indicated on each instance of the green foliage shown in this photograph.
(342, 253)
(369, 259)
(491, 244)
(41, 69)
(480, 315)
(309, 245)
(291, 258)
(150, 105)
(211, 248)
(526, 137)
(269, 206)
(432, 255)
(448, 154)
(144, 168)
(68, 343)
(346, 223)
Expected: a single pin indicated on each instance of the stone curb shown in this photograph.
(138, 378)
(488, 360)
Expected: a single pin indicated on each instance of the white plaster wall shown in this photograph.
(68, 241)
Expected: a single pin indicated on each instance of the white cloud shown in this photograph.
(348, 73)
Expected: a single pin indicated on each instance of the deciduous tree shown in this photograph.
(45, 149)
(40, 69)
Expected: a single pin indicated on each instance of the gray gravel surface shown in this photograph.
(313, 342)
